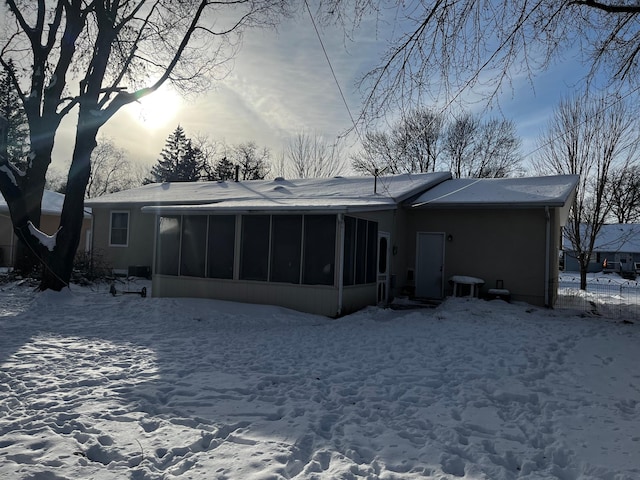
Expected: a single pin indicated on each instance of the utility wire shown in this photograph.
(335, 79)
(443, 108)
(333, 73)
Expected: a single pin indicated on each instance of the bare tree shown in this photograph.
(311, 156)
(423, 141)
(623, 190)
(588, 137)
(419, 139)
(11, 109)
(377, 154)
(56, 180)
(460, 143)
(253, 161)
(444, 47)
(212, 155)
(111, 170)
(413, 144)
(118, 52)
(482, 149)
(280, 167)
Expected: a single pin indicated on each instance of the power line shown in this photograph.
(333, 73)
(447, 104)
(335, 79)
(603, 109)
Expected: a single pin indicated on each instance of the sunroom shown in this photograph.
(319, 259)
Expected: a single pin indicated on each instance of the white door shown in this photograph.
(383, 267)
(430, 265)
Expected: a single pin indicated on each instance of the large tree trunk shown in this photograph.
(57, 273)
(28, 208)
(23, 194)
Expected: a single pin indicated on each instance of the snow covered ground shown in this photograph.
(607, 294)
(100, 387)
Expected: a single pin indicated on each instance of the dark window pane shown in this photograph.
(222, 239)
(372, 248)
(168, 250)
(319, 249)
(194, 242)
(348, 276)
(254, 260)
(119, 228)
(286, 244)
(382, 261)
(119, 219)
(361, 251)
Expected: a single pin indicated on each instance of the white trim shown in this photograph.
(386, 276)
(111, 212)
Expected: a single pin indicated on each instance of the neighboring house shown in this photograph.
(332, 246)
(49, 222)
(616, 249)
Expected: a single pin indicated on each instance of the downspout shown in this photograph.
(340, 268)
(547, 300)
(93, 226)
(154, 260)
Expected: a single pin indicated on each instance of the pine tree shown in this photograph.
(224, 170)
(11, 108)
(179, 160)
(191, 165)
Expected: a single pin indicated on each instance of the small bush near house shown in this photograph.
(90, 267)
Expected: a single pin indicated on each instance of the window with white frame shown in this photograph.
(119, 230)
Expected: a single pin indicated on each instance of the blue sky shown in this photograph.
(281, 83)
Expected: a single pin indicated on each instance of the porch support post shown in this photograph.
(547, 260)
(340, 268)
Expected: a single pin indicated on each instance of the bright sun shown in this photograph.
(157, 109)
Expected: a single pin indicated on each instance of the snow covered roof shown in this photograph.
(333, 194)
(616, 237)
(551, 191)
(51, 203)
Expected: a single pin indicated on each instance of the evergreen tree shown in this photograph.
(11, 108)
(224, 170)
(179, 160)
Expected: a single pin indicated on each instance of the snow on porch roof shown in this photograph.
(278, 193)
(51, 204)
(551, 191)
(289, 205)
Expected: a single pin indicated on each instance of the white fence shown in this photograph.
(608, 295)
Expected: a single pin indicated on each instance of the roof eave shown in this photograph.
(488, 205)
(235, 210)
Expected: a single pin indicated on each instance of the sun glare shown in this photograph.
(157, 109)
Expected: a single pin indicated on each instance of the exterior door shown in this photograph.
(383, 268)
(430, 265)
